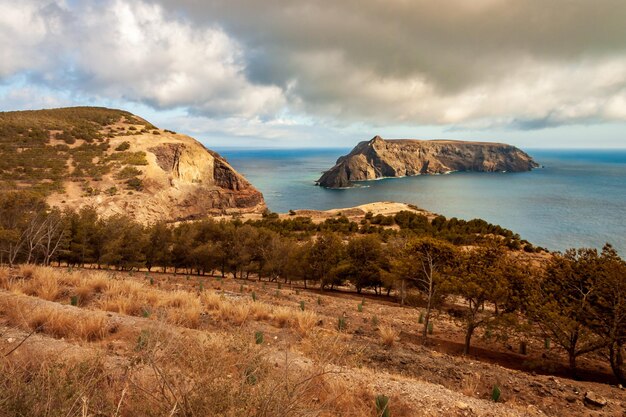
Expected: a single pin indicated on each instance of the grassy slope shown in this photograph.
(187, 344)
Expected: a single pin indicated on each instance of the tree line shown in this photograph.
(576, 300)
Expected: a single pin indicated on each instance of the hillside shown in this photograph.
(119, 163)
(379, 158)
(161, 344)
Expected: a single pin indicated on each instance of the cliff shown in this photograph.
(120, 164)
(380, 158)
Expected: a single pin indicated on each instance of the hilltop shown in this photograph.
(379, 158)
(118, 163)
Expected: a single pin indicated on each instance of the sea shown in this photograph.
(576, 199)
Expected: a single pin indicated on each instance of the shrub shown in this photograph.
(135, 184)
(258, 337)
(124, 146)
(127, 172)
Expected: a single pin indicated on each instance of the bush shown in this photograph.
(127, 172)
(135, 184)
(124, 146)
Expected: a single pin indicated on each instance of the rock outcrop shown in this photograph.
(380, 158)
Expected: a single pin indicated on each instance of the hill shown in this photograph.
(119, 163)
(379, 158)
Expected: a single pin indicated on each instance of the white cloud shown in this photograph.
(133, 51)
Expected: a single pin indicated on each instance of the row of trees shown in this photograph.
(578, 299)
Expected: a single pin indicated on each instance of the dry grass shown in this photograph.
(56, 321)
(236, 313)
(4, 278)
(470, 385)
(183, 309)
(388, 335)
(305, 322)
(211, 300)
(282, 316)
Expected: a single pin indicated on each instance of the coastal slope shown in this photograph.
(379, 158)
(120, 164)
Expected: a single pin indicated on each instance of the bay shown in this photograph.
(578, 197)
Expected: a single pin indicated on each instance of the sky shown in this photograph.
(329, 73)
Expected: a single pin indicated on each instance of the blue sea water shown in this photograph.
(577, 199)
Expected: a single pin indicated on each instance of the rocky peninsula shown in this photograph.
(380, 158)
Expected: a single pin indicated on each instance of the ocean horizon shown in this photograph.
(577, 198)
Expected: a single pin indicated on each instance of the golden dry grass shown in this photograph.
(211, 300)
(4, 278)
(56, 321)
(305, 322)
(282, 316)
(388, 335)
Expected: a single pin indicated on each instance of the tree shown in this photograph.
(323, 257)
(124, 244)
(560, 301)
(607, 309)
(426, 262)
(480, 278)
(157, 252)
(365, 262)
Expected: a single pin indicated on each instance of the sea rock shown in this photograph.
(379, 158)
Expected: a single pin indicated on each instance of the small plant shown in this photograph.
(488, 334)
(302, 305)
(382, 406)
(258, 337)
(201, 286)
(374, 321)
(430, 327)
(142, 340)
(277, 293)
(421, 319)
(145, 313)
(495, 393)
(74, 300)
(341, 324)
(151, 281)
(319, 301)
(280, 286)
(360, 307)
(253, 296)
(546, 343)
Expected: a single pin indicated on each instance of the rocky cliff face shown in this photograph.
(380, 158)
(121, 164)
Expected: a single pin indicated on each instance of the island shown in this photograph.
(381, 158)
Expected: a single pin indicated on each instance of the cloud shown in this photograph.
(477, 62)
(132, 51)
(463, 64)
